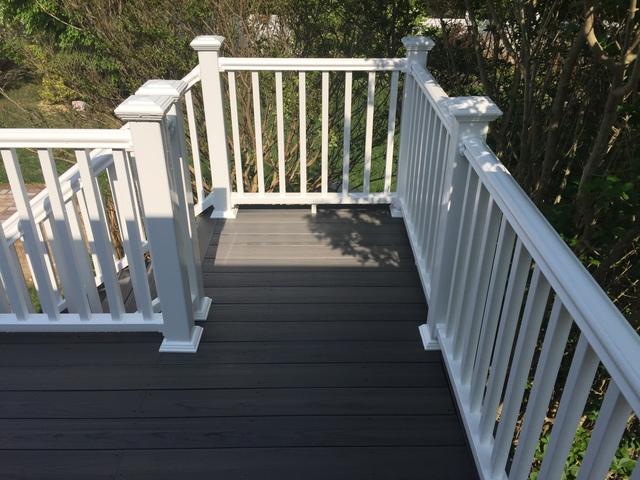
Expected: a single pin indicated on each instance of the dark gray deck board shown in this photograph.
(310, 367)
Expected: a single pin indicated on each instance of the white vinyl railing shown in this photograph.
(225, 194)
(70, 260)
(503, 289)
(498, 277)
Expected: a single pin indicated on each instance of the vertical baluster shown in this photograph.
(435, 193)
(491, 313)
(48, 246)
(82, 258)
(423, 165)
(100, 231)
(257, 125)
(82, 205)
(391, 131)
(346, 145)
(430, 201)
(424, 117)
(235, 131)
(5, 253)
(302, 99)
(195, 145)
(429, 168)
(131, 241)
(522, 357)
(474, 217)
(368, 140)
(612, 420)
(34, 248)
(13, 281)
(574, 397)
(508, 322)
(478, 294)
(470, 269)
(325, 134)
(553, 347)
(282, 180)
(417, 117)
(469, 194)
(68, 267)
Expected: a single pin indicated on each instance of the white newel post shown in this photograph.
(417, 50)
(208, 48)
(147, 117)
(182, 178)
(472, 116)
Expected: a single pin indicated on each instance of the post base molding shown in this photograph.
(428, 342)
(202, 311)
(395, 210)
(231, 213)
(190, 346)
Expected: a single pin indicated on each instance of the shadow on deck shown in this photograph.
(311, 367)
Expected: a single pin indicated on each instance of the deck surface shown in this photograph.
(311, 367)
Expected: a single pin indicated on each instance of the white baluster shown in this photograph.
(34, 247)
(302, 99)
(417, 50)
(235, 132)
(324, 153)
(368, 137)
(257, 126)
(346, 142)
(391, 131)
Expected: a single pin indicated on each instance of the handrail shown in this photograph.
(312, 64)
(192, 77)
(434, 93)
(101, 158)
(43, 138)
(608, 332)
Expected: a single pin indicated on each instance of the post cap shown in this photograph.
(144, 107)
(418, 43)
(207, 43)
(474, 109)
(171, 88)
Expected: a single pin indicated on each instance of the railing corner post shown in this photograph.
(182, 179)
(417, 50)
(208, 48)
(472, 116)
(147, 117)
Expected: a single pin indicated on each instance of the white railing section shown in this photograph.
(70, 260)
(224, 197)
(498, 277)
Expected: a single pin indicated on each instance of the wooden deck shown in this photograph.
(310, 367)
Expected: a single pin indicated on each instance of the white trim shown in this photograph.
(317, 198)
(610, 335)
(191, 346)
(256, 64)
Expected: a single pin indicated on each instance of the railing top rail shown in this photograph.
(41, 138)
(312, 64)
(434, 92)
(192, 77)
(608, 332)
